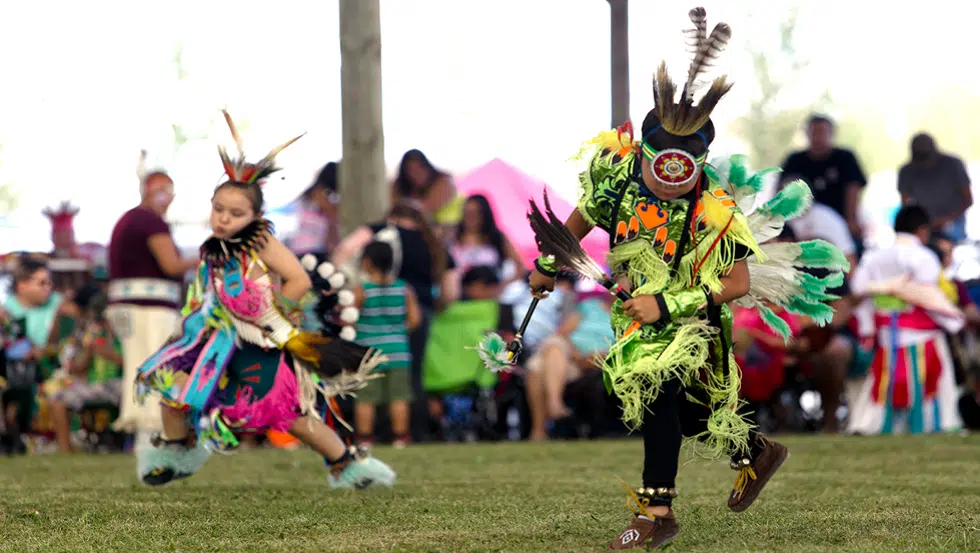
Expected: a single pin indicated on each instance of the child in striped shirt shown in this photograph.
(389, 312)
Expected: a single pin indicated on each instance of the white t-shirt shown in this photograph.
(548, 315)
(823, 223)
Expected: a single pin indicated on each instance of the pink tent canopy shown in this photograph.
(509, 189)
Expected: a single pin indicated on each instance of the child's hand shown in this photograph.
(643, 309)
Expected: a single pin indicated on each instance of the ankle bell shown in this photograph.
(739, 464)
(656, 493)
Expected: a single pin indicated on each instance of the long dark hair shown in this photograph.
(489, 230)
(436, 251)
(404, 184)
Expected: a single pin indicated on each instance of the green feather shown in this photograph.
(821, 313)
(745, 191)
(492, 350)
(737, 170)
(711, 172)
(821, 254)
(775, 322)
(816, 288)
(758, 180)
(791, 201)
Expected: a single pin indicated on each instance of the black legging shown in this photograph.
(670, 418)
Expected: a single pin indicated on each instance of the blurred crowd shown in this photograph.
(438, 273)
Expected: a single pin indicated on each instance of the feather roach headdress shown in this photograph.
(239, 170)
(61, 218)
(681, 116)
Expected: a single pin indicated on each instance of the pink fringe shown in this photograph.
(276, 411)
(249, 304)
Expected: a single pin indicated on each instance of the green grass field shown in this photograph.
(836, 494)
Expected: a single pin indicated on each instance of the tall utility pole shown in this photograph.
(619, 51)
(363, 186)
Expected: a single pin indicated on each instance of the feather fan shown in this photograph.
(554, 239)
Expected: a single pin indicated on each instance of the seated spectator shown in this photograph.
(967, 373)
(954, 289)
(93, 363)
(517, 298)
(37, 318)
(763, 355)
(834, 352)
(453, 373)
(554, 361)
(586, 395)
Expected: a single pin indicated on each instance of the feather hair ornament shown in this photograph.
(684, 118)
(239, 170)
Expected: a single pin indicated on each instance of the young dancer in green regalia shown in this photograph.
(683, 246)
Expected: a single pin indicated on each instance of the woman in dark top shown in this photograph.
(423, 262)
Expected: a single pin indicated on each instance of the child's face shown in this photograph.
(231, 211)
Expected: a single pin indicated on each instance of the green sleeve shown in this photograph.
(682, 304)
(603, 183)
